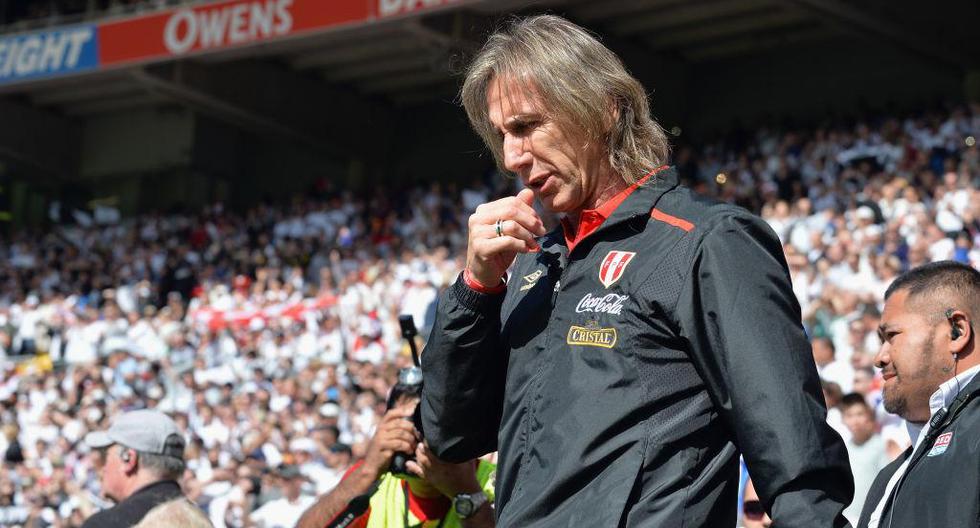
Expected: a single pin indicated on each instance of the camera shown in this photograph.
(409, 384)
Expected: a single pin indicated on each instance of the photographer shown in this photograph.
(431, 493)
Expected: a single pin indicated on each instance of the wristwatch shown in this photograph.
(467, 504)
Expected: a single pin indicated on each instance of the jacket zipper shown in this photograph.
(534, 388)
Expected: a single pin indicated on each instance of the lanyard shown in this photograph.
(939, 422)
(441, 521)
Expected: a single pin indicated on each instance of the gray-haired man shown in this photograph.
(144, 458)
(638, 347)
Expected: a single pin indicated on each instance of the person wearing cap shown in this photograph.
(144, 458)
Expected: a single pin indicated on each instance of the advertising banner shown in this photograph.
(236, 23)
(48, 53)
(181, 31)
(219, 25)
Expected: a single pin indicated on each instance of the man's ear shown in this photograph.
(129, 459)
(612, 117)
(960, 332)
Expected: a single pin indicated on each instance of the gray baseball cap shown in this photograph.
(145, 430)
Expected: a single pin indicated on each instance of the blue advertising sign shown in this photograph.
(48, 53)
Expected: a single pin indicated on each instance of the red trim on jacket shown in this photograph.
(657, 214)
(591, 219)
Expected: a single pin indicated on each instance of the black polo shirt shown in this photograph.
(135, 507)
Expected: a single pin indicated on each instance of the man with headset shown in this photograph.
(929, 360)
(144, 459)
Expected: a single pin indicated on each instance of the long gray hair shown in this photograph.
(578, 81)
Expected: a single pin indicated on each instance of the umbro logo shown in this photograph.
(530, 280)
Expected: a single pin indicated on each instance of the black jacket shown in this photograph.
(941, 487)
(132, 510)
(631, 410)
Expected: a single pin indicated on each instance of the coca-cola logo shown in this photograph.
(611, 303)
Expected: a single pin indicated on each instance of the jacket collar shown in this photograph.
(164, 488)
(947, 392)
(636, 200)
(642, 200)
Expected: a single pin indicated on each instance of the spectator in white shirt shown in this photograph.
(828, 367)
(865, 450)
(286, 511)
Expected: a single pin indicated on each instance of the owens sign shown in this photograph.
(228, 25)
(220, 25)
(234, 23)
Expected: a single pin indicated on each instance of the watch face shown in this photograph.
(464, 507)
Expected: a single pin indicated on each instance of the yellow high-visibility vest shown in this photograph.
(389, 504)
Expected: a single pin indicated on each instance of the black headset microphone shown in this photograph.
(954, 334)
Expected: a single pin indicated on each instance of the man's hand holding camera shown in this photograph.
(395, 434)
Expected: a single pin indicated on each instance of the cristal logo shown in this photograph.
(227, 26)
(611, 304)
(591, 336)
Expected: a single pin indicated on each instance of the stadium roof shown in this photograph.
(409, 57)
(329, 74)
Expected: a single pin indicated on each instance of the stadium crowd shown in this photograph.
(272, 335)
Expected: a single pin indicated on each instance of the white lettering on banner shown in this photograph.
(229, 25)
(237, 33)
(30, 51)
(262, 17)
(78, 40)
(171, 39)
(212, 26)
(52, 53)
(611, 304)
(395, 7)
(44, 53)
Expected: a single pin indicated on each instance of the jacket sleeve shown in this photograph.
(464, 370)
(738, 313)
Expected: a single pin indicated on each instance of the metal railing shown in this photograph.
(42, 14)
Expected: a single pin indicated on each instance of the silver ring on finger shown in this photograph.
(499, 226)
